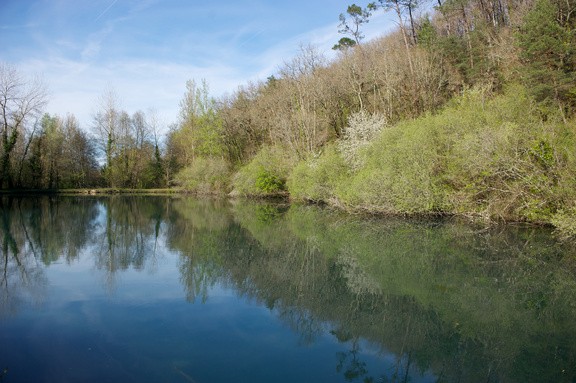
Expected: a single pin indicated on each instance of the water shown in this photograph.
(175, 289)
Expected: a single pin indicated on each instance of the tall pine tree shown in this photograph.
(548, 49)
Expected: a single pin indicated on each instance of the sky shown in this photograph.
(146, 50)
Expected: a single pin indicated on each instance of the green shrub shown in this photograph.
(484, 155)
(565, 222)
(266, 174)
(400, 173)
(269, 182)
(206, 175)
(317, 179)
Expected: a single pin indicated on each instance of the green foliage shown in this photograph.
(548, 49)
(268, 182)
(399, 175)
(199, 132)
(266, 174)
(60, 156)
(317, 178)
(543, 153)
(155, 171)
(468, 57)
(206, 175)
(565, 222)
(427, 34)
(484, 155)
(357, 16)
(344, 43)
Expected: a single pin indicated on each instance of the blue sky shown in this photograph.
(146, 50)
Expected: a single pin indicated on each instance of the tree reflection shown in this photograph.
(128, 234)
(460, 302)
(38, 231)
(23, 278)
(199, 229)
(350, 365)
(440, 296)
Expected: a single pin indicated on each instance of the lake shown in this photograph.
(177, 289)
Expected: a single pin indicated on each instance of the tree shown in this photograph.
(548, 42)
(140, 151)
(156, 166)
(106, 124)
(198, 134)
(61, 156)
(241, 134)
(52, 138)
(299, 124)
(129, 144)
(344, 43)
(21, 104)
(79, 165)
(400, 7)
(351, 26)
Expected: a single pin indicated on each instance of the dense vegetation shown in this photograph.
(468, 110)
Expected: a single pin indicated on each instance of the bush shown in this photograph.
(483, 155)
(206, 175)
(361, 130)
(269, 183)
(565, 222)
(400, 173)
(266, 174)
(318, 178)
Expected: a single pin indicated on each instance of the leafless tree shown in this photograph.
(21, 104)
(106, 126)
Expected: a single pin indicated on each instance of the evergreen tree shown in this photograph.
(548, 48)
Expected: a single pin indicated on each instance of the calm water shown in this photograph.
(173, 289)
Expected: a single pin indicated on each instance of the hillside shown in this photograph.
(469, 110)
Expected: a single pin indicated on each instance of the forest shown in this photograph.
(466, 110)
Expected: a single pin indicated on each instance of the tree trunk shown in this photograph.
(404, 36)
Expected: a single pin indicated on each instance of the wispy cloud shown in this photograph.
(19, 26)
(106, 10)
(95, 41)
(252, 37)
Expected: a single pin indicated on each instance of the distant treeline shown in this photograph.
(467, 110)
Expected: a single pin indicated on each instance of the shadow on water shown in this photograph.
(438, 298)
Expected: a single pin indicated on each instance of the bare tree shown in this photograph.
(79, 166)
(157, 166)
(400, 7)
(21, 103)
(106, 124)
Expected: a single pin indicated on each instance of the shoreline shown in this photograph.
(283, 197)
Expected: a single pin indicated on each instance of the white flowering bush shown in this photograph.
(361, 130)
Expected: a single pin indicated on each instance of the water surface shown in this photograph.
(149, 289)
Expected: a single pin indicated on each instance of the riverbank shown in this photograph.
(485, 156)
(489, 157)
